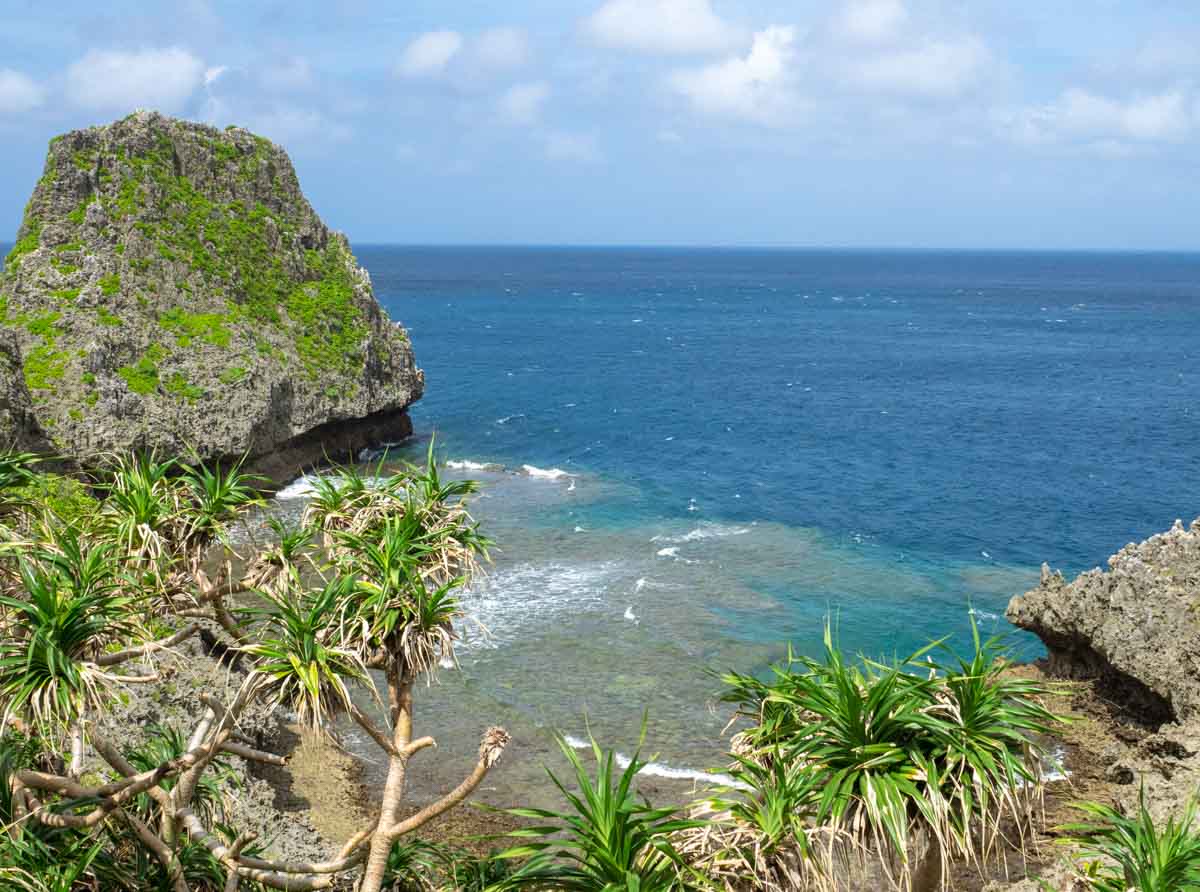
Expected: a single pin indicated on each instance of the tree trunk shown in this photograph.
(400, 698)
(927, 872)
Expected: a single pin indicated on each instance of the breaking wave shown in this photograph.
(661, 769)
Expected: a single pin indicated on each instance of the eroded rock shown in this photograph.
(172, 288)
(1135, 625)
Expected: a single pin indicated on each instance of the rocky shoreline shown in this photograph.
(1120, 736)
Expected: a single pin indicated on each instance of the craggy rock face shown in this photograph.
(1137, 623)
(18, 428)
(171, 288)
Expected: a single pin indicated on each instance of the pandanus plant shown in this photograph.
(81, 605)
(900, 766)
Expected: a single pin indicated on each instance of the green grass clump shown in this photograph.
(608, 839)
(45, 327)
(85, 159)
(110, 284)
(44, 367)
(107, 317)
(178, 385)
(26, 243)
(233, 374)
(142, 376)
(78, 215)
(67, 294)
(69, 246)
(210, 328)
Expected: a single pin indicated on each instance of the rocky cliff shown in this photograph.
(1136, 624)
(171, 288)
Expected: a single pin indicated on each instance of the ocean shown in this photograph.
(693, 458)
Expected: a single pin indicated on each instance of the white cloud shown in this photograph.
(757, 86)
(18, 92)
(660, 26)
(522, 103)
(574, 147)
(113, 80)
(936, 69)
(294, 73)
(871, 21)
(296, 127)
(1081, 114)
(502, 48)
(213, 74)
(429, 54)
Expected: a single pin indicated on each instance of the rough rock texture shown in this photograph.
(1138, 623)
(18, 427)
(171, 287)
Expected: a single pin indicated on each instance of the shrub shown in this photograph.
(1121, 852)
(608, 840)
(82, 598)
(894, 759)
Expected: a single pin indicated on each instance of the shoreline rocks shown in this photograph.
(1135, 626)
(171, 289)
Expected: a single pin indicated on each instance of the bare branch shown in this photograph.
(490, 749)
(416, 746)
(165, 856)
(123, 656)
(254, 755)
(377, 734)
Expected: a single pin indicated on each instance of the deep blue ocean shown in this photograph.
(753, 441)
(693, 458)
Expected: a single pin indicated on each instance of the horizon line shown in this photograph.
(748, 246)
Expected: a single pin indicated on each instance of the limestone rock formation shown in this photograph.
(1136, 624)
(172, 288)
(18, 428)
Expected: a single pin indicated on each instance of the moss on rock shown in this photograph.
(163, 265)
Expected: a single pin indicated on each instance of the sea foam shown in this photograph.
(543, 473)
(661, 769)
(464, 464)
(704, 531)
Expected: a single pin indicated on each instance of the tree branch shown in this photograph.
(377, 734)
(253, 755)
(123, 656)
(490, 748)
(160, 850)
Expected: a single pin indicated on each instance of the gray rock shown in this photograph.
(171, 288)
(19, 429)
(1135, 624)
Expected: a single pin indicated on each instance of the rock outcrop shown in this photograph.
(19, 429)
(1136, 625)
(172, 289)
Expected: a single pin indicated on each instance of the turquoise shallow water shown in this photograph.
(748, 443)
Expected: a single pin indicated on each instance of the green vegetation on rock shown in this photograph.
(142, 376)
(44, 367)
(179, 386)
(200, 243)
(210, 328)
(26, 243)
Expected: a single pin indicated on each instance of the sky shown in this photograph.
(990, 124)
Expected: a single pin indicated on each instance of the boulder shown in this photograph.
(172, 289)
(1135, 625)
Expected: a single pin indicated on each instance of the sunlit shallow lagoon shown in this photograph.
(691, 459)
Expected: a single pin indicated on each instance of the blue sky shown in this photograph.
(908, 123)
